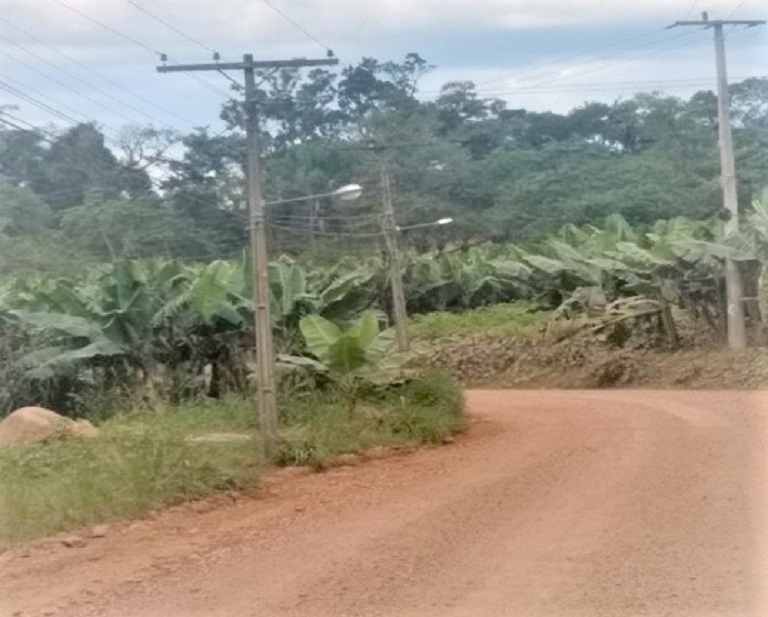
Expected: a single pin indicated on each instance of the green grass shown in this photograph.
(136, 464)
(517, 319)
(142, 461)
(422, 412)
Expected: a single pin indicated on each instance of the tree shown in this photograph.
(77, 162)
(135, 228)
(21, 156)
(22, 213)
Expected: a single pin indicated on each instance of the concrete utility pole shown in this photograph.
(737, 332)
(261, 295)
(393, 249)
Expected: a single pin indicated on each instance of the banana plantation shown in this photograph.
(173, 330)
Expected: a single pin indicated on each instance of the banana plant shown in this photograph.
(353, 357)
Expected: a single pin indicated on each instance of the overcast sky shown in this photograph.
(539, 54)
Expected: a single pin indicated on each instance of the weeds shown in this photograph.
(144, 460)
(518, 319)
(426, 411)
(136, 464)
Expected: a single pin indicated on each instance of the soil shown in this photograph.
(531, 363)
(619, 503)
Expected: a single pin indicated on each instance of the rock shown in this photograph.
(73, 542)
(100, 531)
(36, 424)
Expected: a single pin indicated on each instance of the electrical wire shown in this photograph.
(104, 78)
(532, 73)
(340, 234)
(58, 82)
(662, 83)
(298, 26)
(138, 43)
(571, 57)
(691, 9)
(608, 87)
(36, 102)
(170, 26)
(737, 9)
(237, 86)
(53, 110)
(683, 34)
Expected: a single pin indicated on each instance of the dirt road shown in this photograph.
(562, 504)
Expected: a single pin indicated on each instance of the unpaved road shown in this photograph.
(562, 504)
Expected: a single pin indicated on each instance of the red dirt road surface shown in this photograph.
(561, 504)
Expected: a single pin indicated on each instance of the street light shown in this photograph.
(348, 192)
(445, 221)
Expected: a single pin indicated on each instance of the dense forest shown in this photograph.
(70, 195)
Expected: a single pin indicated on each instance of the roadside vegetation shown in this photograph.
(144, 460)
(522, 319)
(127, 300)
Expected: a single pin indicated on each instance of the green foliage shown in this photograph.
(518, 319)
(130, 228)
(163, 330)
(425, 411)
(22, 212)
(361, 351)
(138, 463)
(145, 460)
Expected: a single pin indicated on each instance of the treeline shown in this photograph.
(503, 173)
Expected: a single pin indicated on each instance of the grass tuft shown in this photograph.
(426, 411)
(517, 319)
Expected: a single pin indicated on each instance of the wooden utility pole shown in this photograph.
(737, 332)
(393, 250)
(257, 231)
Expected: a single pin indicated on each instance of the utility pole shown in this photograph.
(393, 249)
(737, 332)
(257, 231)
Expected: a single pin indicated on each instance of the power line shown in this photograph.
(737, 9)
(343, 234)
(138, 43)
(595, 59)
(40, 104)
(298, 26)
(589, 85)
(622, 61)
(180, 32)
(691, 8)
(59, 82)
(104, 78)
(607, 86)
(567, 58)
(36, 102)
(170, 26)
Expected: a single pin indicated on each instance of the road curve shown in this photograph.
(555, 503)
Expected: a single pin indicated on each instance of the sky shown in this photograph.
(538, 54)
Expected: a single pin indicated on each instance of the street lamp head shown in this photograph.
(348, 192)
(446, 221)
